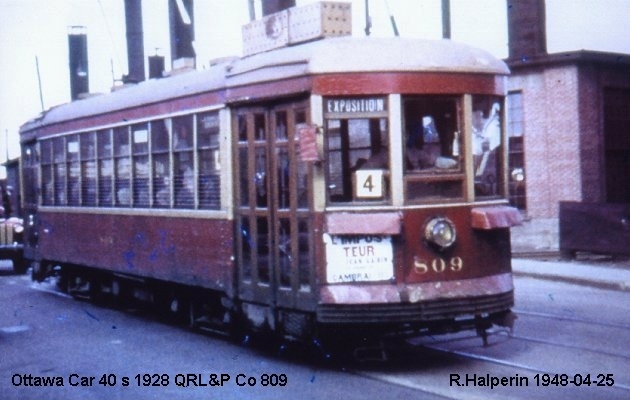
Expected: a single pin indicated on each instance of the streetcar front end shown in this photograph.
(416, 228)
(432, 270)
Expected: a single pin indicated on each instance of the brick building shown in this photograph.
(569, 127)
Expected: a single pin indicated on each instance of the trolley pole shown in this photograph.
(39, 82)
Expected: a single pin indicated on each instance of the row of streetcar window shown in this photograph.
(174, 162)
(164, 163)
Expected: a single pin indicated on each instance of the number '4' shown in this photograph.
(368, 183)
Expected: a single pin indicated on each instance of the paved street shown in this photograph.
(570, 341)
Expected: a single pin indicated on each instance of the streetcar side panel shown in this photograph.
(189, 251)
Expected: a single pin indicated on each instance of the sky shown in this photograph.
(33, 37)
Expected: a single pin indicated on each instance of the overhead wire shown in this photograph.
(113, 45)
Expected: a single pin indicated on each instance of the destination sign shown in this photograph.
(358, 258)
(362, 105)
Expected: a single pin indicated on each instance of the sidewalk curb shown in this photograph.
(599, 284)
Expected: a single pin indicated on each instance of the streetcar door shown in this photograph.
(30, 166)
(273, 222)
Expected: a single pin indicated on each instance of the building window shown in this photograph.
(516, 154)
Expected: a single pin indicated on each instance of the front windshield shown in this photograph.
(436, 150)
(486, 143)
(450, 150)
(433, 149)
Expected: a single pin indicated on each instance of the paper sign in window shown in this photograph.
(359, 258)
(369, 183)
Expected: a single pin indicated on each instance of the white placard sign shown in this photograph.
(358, 258)
(369, 183)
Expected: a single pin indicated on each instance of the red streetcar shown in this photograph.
(342, 183)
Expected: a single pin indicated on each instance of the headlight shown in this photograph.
(518, 175)
(18, 228)
(440, 231)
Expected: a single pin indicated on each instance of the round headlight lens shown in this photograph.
(518, 175)
(440, 231)
(18, 228)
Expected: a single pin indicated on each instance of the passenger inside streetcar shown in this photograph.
(486, 140)
(432, 141)
(424, 147)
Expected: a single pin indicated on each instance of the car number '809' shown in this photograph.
(438, 265)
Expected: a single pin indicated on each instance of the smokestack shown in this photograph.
(446, 19)
(181, 22)
(526, 28)
(78, 61)
(156, 66)
(274, 6)
(135, 42)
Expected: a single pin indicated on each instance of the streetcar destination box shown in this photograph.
(319, 20)
(270, 32)
(297, 25)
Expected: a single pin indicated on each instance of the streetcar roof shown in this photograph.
(350, 54)
(330, 55)
(146, 92)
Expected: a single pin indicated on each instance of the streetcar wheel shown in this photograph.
(20, 265)
(120, 293)
(38, 272)
(193, 315)
(171, 305)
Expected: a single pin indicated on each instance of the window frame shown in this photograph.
(111, 165)
(517, 188)
(375, 111)
(429, 175)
